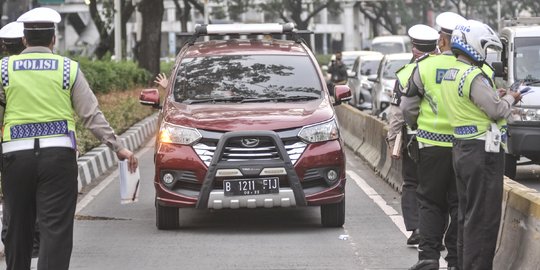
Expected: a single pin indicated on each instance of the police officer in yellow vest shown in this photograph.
(424, 40)
(40, 93)
(424, 110)
(475, 110)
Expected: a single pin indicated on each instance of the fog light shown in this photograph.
(168, 178)
(332, 175)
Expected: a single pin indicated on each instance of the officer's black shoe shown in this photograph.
(414, 239)
(426, 265)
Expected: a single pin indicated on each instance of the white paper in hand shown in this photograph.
(129, 183)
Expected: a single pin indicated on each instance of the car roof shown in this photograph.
(358, 53)
(371, 57)
(526, 31)
(244, 46)
(392, 38)
(398, 56)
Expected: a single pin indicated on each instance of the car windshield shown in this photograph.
(527, 55)
(369, 67)
(348, 60)
(241, 78)
(387, 47)
(392, 66)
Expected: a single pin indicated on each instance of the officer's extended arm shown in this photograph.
(487, 99)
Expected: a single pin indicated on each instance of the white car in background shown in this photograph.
(364, 67)
(386, 78)
(391, 44)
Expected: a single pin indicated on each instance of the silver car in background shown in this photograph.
(386, 78)
(364, 67)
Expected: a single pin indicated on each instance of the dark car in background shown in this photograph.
(248, 123)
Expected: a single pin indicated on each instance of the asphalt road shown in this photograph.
(109, 235)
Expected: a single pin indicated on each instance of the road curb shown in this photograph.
(100, 159)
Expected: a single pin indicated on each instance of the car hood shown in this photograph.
(248, 116)
(532, 98)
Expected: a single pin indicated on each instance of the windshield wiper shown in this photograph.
(280, 99)
(213, 100)
(531, 81)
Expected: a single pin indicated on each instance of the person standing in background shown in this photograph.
(424, 40)
(424, 110)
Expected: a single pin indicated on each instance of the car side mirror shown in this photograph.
(498, 68)
(150, 97)
(342, 93)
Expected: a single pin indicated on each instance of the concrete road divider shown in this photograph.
(519, 236)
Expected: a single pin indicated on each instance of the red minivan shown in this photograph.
(248, 123)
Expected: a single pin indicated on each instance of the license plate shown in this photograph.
(251, 186)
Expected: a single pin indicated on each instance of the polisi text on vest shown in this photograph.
(35, 64)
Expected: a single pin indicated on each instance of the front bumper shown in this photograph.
(524, 138)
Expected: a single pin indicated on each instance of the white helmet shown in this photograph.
(473, 38)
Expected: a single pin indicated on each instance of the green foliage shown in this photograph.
(166, 67)
(323, 59)
(121, 109)
(105, 76)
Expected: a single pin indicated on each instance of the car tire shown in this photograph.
(333, 215)
(510, 165)
(167, 218)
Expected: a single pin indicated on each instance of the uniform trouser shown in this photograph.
(40, 182)
(480, 186)
(437, 198)
(409, 204)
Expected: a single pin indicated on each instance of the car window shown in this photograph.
(246, 76)
(348, 60)
(527, 58)
(392, 66)
(369, 67)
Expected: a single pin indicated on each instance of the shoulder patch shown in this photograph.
(451, 74)
(486, 81)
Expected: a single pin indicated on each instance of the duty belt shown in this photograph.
(28, 144)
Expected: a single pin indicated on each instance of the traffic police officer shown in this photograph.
(41, 91)
(11, 35)
(476, 110)
(424, 110)
(12, 42)
(424, 40)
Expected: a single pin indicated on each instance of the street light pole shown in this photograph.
(117, 30)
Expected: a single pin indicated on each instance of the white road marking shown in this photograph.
(387, 209)
(89, 197)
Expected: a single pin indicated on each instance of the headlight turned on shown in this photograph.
(170, 133)
(322, 132)
(526, 114)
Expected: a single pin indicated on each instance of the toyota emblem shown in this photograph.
(250, 142)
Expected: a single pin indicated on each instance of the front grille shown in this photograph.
(235, 151)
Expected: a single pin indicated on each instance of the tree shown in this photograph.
(104, 21)
(149, 48)
(292, 10)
